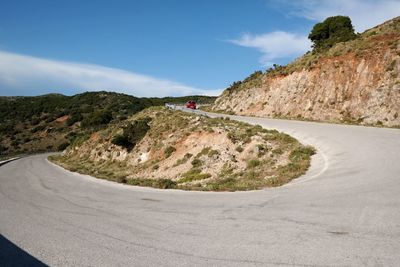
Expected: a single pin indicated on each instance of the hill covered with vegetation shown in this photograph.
(163, 148)
(51, 122)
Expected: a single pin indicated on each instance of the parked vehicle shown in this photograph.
(191, 104)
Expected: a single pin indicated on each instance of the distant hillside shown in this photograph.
(356, 81)
(50, 122)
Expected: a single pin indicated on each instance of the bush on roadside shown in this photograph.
(160, 183)
(63, 146)
(132, 134)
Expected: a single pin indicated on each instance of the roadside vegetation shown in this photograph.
(171, 149)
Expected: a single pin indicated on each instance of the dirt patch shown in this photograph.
(62, 119)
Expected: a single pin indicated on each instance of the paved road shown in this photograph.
(345, 211)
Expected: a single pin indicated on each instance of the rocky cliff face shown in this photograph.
(356, 81)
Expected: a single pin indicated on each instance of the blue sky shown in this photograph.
(158, 48)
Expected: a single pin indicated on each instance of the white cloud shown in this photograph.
(21, 74)
(275, 45)
(364, 14)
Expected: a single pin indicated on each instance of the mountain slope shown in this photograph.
(355, 82)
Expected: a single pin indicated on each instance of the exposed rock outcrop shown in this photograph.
(357, 81)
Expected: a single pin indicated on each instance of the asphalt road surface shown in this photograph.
(344, 212)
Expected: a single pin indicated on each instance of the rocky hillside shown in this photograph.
(357, 81)
(172, 149)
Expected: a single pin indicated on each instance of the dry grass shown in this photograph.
(188, 152)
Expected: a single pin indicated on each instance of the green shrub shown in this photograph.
(213, 153)
(159, 183)
(331, 31)
(51, 118)
(253, 163)
(183, 160)
(239, 149)
(168, 151)
(15, 143)
(226, 184)
(253, 80)
(204, 151)
(164, 184)
(38, 128)
(63, 146)
(79, 138)
(121, 179)
(196, 163)
(140, 182)
(261, 150)
(132, 134)
(301, 153)
(277, 151)
(3, 149)
(97, 118)
(74, 118)
(193, 175)
(188, 156)
(122, 117)
(277, 69)
(121, 140)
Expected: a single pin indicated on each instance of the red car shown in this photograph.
(191, 104)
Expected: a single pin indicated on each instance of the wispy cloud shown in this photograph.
(21, 74)
(363, 13)
(275, 45)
